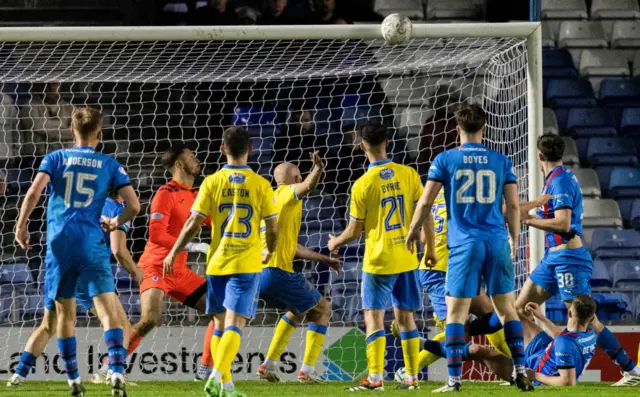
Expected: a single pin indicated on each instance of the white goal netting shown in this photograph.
(294, 97)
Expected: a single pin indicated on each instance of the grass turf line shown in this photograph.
(292, 389)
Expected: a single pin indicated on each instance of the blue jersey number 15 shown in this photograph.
(395, 204)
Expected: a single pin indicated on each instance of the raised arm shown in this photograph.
(28, 204)
(423, 209)
(311, 181)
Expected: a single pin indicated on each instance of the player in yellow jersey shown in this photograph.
(280, 285)
(236, 199)
(382, 203)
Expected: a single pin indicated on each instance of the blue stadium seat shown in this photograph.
(600, 276)
(604, 174)
(630, 122)
(17, 273)
(611, 306)
(259, 121)
(130, 303)
(612, 151)
(635, 214)
(626, 274)
(569, 93)
(557, 63)
(624, 182)
(620, 92)
(319, 213)
(588, 122)
(556, 309)
(31, 305)
(123, 279)
(262, 150)
(607, 243)
(626, 206)
(637, 307)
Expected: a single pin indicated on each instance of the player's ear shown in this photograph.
(222, 149)
(458, 130)
(362, 146)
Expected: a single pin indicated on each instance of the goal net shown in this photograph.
(294, 97)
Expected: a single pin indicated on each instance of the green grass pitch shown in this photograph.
(292, 389)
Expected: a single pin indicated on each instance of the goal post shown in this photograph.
(309, 84)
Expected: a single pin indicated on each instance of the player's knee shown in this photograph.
(322, 312)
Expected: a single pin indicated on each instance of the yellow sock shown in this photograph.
(499, 342)
(427, 358)
(376, 344)
(215, 341)
(227, 350)
(280, 339)
(411, 351)
(315, 340)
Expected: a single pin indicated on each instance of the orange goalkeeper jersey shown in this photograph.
(170, 208)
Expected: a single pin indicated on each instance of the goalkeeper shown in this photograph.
(281, 285)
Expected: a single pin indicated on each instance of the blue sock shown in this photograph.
(67, 347)
(435, 347)
(27, 361)
(514, 335)
(454, 336)
(610, 344)
(115, 348)
(485, 325)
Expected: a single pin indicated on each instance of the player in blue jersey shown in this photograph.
(116, 241)
(79, 181)
(566, 265)
(475, 179)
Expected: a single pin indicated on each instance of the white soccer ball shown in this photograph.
(396, 29)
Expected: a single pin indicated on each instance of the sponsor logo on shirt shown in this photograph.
(122, 171)
(156, 215)
(155, 279)
(237, 178)
(387, 174)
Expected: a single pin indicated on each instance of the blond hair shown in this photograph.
(86, 121)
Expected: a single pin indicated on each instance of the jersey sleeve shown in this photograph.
(202, 205)
(510, 175)
(358, 208)
(120, 177)
(566, 352)
(562, 192)
(417, 186)
(49, 164)
(290, 194)
(268, 209)
(437, 169)
(161, 206)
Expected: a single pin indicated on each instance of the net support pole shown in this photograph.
(535, 107)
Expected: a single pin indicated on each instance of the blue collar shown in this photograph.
(85, 148)
(377, 163)
(236, 167)
(471, 144)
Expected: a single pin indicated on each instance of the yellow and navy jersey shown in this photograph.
(384, 200)
(236, 199)
(439, 210)
(289, 209)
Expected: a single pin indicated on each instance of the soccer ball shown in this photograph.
(396, 29)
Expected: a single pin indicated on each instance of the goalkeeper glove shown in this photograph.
(202, 248)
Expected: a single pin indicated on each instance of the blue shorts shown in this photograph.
(287, 290)
(477, 261)
(535, 350)
(82, 299)
(381, 291)
(566, 271)
(76, 263)
(433, 284)
(235, 292)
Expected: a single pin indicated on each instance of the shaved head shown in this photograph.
(287, 174)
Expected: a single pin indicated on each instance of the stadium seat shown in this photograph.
(614, 9)
(635, 214)
(595, 62)
(262, 150)
(548, 35)
(565, 9)
(608, 243)
(453, 9)
(582, 34)
(611, 151)
(130, 303)
(570, 157)
(630, 122)
(408, 8)
(624, 182)
(588, 122)
(549, 121)
(557, 63)
(620, 92)
(319, 213)
(625, 34)
(17, 273)
(600, 276)
(611, 306)
(626, 206)
(31, 305)
(259, 122)
(637, 307)
(556, 310)
(626, 274)
(569, 93)
(601, 213)
(604, 176)
(589, 184)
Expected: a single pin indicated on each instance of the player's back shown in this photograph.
(569, 350)
(80, 182)
(473, 178)
(237, 199)
(289, 209)
(439, 210)
(384, 199)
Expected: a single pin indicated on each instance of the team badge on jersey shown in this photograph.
(237, 178)
(386, 174)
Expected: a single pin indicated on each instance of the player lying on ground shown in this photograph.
(117, 242)
(79, 182)
(566, 266)
(433, 268)
(381, 202)
(170, 208)
(475, 179)
(555, 356)
(236, 199)
(280, 285)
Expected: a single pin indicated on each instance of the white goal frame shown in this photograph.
(531, 31)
